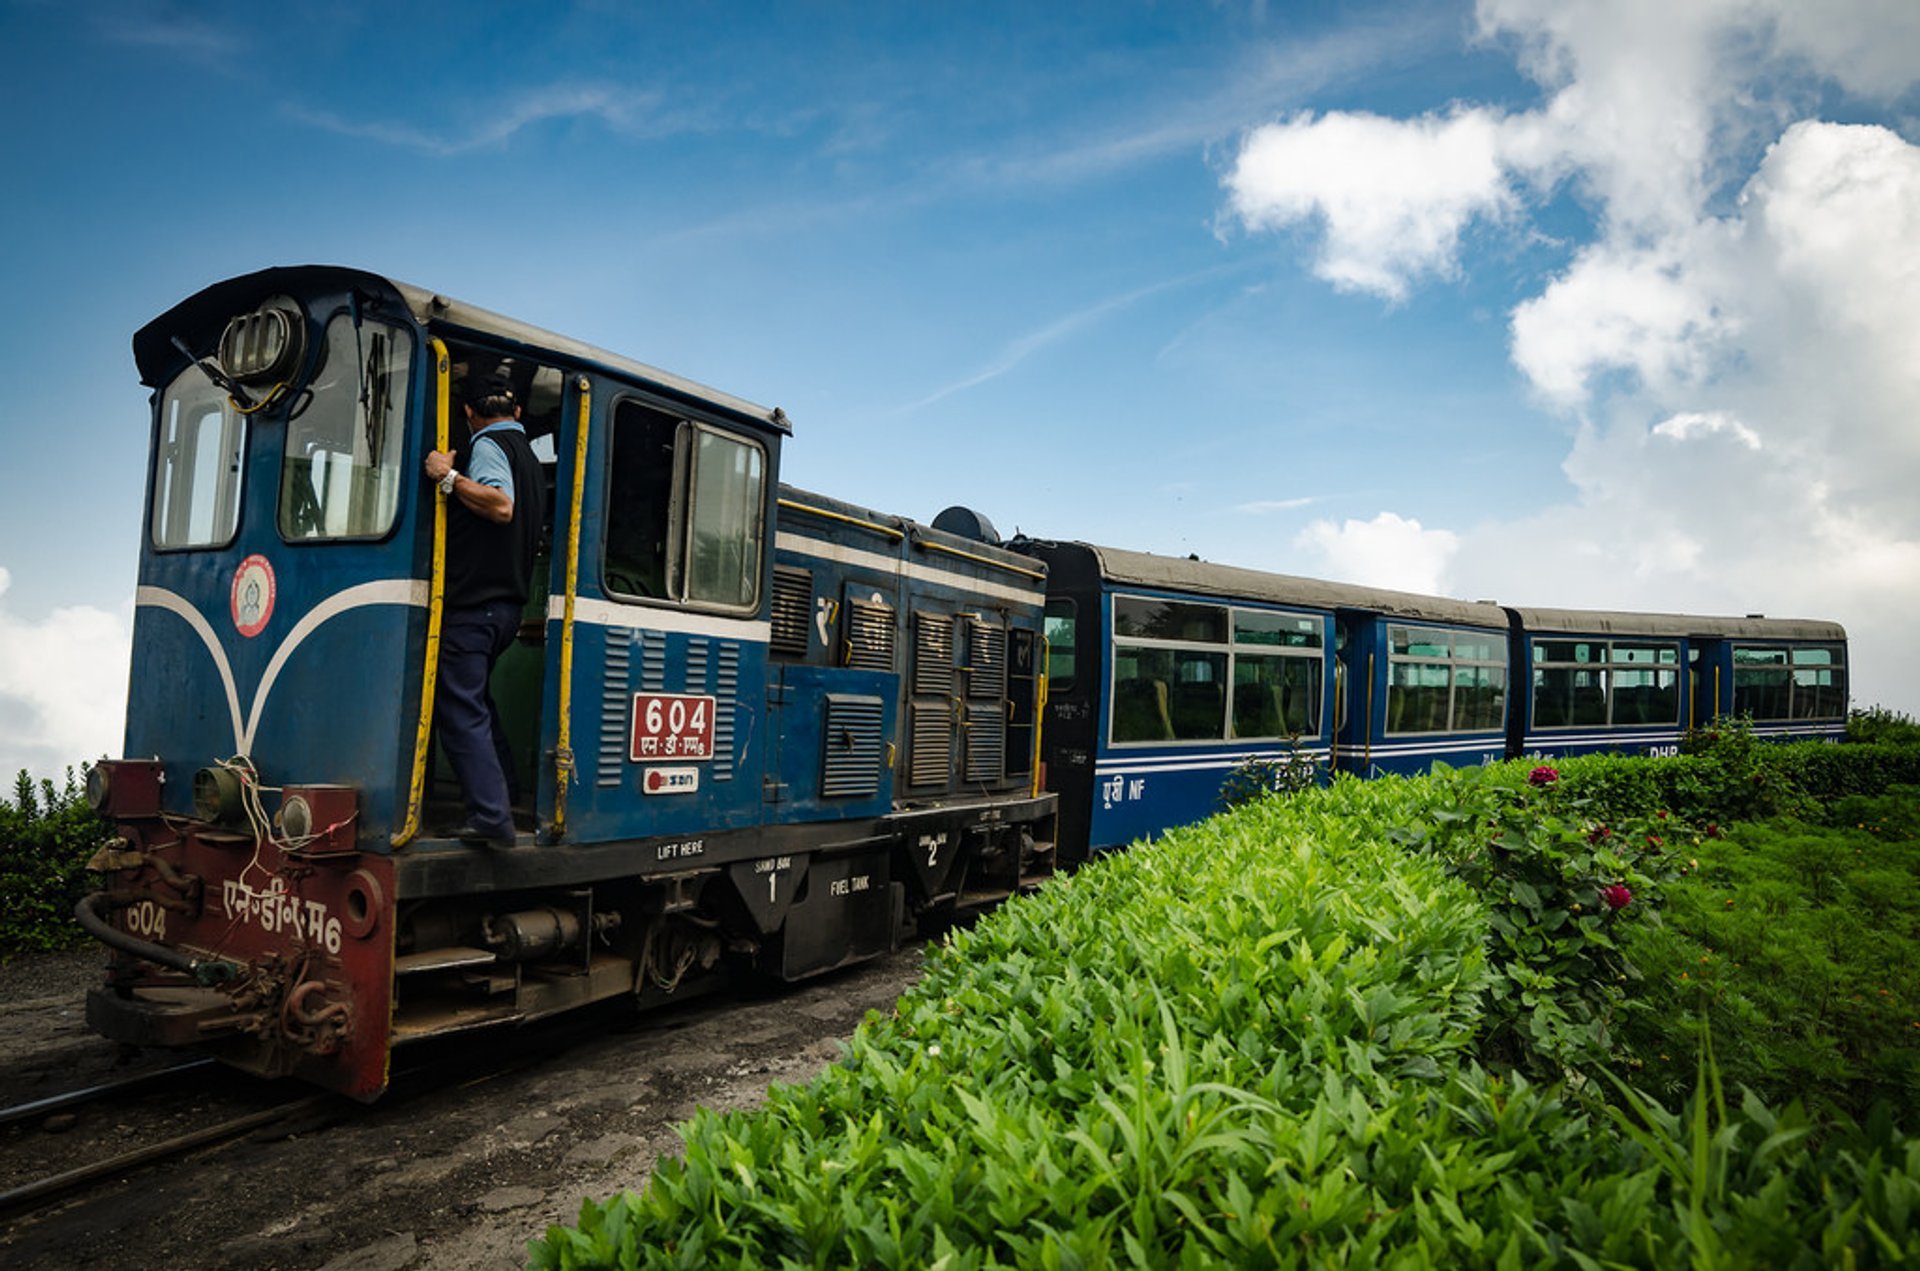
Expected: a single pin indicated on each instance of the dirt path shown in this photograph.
(454, 1178)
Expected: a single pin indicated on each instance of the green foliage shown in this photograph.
(1256, 779)
(1252, 1044)
(1881, 726)
(47, 835)
(1796, 945)
(1561, 882)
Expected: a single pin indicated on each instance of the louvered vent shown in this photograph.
(929, 745)
(986, 750)
(792, 610)
(933, 654)
(852, 747)
(986, 659)
(869, 636)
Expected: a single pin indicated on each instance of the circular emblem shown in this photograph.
(251, 601)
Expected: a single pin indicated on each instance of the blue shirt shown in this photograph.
(487, 463)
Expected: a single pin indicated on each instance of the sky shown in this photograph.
(1584, 303)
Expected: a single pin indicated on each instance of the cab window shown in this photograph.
(340, 474)
(685, 512)
(196, 475)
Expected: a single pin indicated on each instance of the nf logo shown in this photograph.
(251, 599)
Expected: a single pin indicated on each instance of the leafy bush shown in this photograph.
(1560, 881)
(1880, 725)
(1248, 1044)
(47, 835)
(1796, 945)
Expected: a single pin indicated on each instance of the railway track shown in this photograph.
(71, 1130)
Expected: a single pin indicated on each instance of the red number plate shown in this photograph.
(672, 726)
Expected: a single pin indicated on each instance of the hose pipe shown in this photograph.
(205, 972)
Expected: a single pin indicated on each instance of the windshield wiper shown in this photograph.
(220, 378)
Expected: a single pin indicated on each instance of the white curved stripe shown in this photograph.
(161, 598)
(608, 613)
(385, 591)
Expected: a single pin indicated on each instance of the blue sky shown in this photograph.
(1592, 304)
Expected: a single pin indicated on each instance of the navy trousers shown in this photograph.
(465, 717)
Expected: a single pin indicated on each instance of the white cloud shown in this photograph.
(1735, 342)
(1393, 196)
(63, 687)
(629, 112)
(1388, 551)
(1260, 507)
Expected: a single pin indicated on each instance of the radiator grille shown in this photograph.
(869, 636)
(792, 611)
(614, 704)
(930, 744)
(852, 747)
(986, 659)
(933, 654)
(986, 749)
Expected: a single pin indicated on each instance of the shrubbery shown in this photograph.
(1282, 1038)
(47, 835)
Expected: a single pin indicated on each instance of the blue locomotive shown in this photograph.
(751, 727)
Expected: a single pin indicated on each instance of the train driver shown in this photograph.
(494, 516)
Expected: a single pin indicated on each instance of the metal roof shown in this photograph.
(1675, 625)
(1173, 573)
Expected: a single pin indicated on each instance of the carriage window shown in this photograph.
(684, 518)
(1797, 682)
(1592, 683)
(340, 476)
(196, 480)
(1445, 680)
(1060, 631)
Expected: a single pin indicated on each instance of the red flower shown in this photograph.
(1542, 776)
(1616, 897)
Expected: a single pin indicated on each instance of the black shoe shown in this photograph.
(469, 834)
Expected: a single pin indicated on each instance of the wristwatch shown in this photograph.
(446, 482)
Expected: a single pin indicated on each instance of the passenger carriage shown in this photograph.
(1638, 682)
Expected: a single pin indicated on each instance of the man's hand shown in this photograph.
(439, 464)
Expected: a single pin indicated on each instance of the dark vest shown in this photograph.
(486, 561)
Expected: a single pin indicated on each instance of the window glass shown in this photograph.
(1168, 695)
(196, 477)
(1477, 646)
(340, 474)
(1061, 624)
(1417, 697)
(1566, 696)
(1645, 696)
(723, 557)
(1418, 642)
(1285, 630)
(1479, 698)
(1762, 684)
(640, 501)
(1275, 696)
(1169, 620)
(684, 511)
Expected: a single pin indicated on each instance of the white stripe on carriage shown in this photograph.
(1197, 765)
(610, 613)
(853, 557)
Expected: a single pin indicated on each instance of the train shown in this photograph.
(753, 729)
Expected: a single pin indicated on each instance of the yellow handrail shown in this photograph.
(827, 514)
(436, 601)
(563, 752)
(978, 559)
(1040, 708)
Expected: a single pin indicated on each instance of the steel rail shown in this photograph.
(87, 1094)
(27, 1195)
